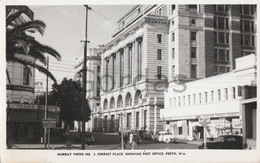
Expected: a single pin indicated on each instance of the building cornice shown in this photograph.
(135, 27)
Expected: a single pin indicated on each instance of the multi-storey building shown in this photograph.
(228, 101)
(24, 118)
(93, 82)
(157, 44)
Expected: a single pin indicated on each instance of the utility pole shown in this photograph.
(46, 103)
(83, 110)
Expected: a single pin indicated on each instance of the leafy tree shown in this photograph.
(69, 97)
(23, 48)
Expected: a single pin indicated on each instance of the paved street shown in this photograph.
(111, 141)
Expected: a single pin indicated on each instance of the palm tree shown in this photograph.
(21, 47)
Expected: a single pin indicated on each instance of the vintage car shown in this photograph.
(164, 136)
(225, 142)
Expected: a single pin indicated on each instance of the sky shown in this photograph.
(66, 29)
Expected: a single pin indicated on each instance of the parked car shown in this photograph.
(164, 136)
(147, 135)
(225, 142)
(89, 138)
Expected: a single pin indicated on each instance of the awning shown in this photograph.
(15, 116)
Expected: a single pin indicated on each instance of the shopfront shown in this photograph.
(24, 121)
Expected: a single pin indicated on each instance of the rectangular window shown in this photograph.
(159, 54)
(159, 72)
(193, 52)
(179, 101)
(226, 93)
(227, 23)
(160, 12)
(227, 38)
(219, 95)
(215, 37)
(183, 99)
(222, 69)
(252, 26)
(221, 37)
(193, 36)
(215, 54)
(170, 100)
(241, 25)
(247, 25)
(173, 37)
(173, 72)
(239, 91)
(26, 76)
(173, 53)
(137, 120)
(159, 38)
(253, 9)
(226, 8)
(215, 7)
(247, 39)
(242, 39)
(173, 8)
(192, 8)
(246, 9)
(206, 97)
(228, 69)
(234, 92)
(221, 55)
(253, 40)
(221, 23)
(227, 55)
(188, 99)
(240, 9)
(174, 102)
(194, 98)
(215, 22)
(215, 70)
(200, 98)
(212, 96)
(221, 8)
(193, 71)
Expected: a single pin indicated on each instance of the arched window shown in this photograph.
(105, 105)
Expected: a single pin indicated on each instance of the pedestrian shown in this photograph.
(132, 141)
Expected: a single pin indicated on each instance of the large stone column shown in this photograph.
(117, 76)
(126, 66)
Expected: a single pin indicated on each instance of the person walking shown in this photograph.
(132, 141)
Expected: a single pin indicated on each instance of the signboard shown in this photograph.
(204, 120)
(22, 106)
(19, 88)
(49, 123)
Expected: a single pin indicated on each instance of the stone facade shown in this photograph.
(157, 44)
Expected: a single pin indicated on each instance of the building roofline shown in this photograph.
(126, 14)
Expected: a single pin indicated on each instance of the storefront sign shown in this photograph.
(19, 88)
(49, 123)
(22, 106)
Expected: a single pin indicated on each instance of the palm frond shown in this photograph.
(49, 50)
(37, 25)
